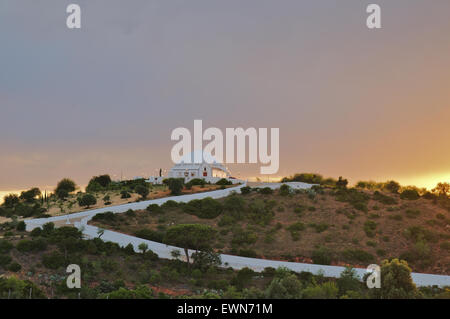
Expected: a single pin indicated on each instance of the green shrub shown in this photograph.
(207, 208)
(245, 190)
(445, 245)
(319, 228)
(358, 255)
(396, 217)
(5, 246)
(327, 290)
(410, 194)
(392, 186)
(369, 228)
(87, 200)
(14, 267)
(419, 233)
(39, 244)
(244, 237)
(285, 190)
(5, 260)
(266, 191)
(387, 200)
(247, 253)
(354, 197)
(224, 182)
(53, 260)
(21, 226)
(295, 229)
(371, 243)
(381, 252)
(125, 194)
(322, 256)
(149, 234)
(155, 209)
(412, 213)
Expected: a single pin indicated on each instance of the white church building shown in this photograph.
(206, 168)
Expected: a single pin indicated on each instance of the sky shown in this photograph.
(349, 101)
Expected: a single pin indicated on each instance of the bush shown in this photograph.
(5, 260)
(87, 200)
(354, 197)
(53, 260)
(125, 194)
(285, 190)
(245, 190)
(224, 181)
(207, 208)
(150, 235)
(154, 208)
(295, 229)
(14, 267)
(412, 213)
(142, 190)
(175, 185)
(260, 212)
(396, 281)
(348, 281)
(322, 256)
(243, 277)
(39, 244)
(21, 226)
(327, 290)
(170, 204)
(358, 255)
(266, 191)
(369, 228)
(445, 245)
(392, 186)
(64, 187)
(387, 200)
(419, 233)
(244, 237)
(410, 194)
(5, 246)
(321, 227)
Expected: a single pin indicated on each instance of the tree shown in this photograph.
(142, 190)
(205, 259)
(10, 200)
(124, 194)
(348, 281)
(410, 194)
(392, 186)
(143, 247)
(21, 226)
(285, 190)
(65, 187)
(175, 185)
(102, 180)
(30, 195)
(341, 183)
(286, 287)
(396, 281)
(87, 200)
(442, 189)
(190, 236)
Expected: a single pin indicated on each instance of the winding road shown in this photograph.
(81, 219)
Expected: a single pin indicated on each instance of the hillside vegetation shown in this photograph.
(324, 225)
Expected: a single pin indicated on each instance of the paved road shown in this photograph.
(164, 251)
